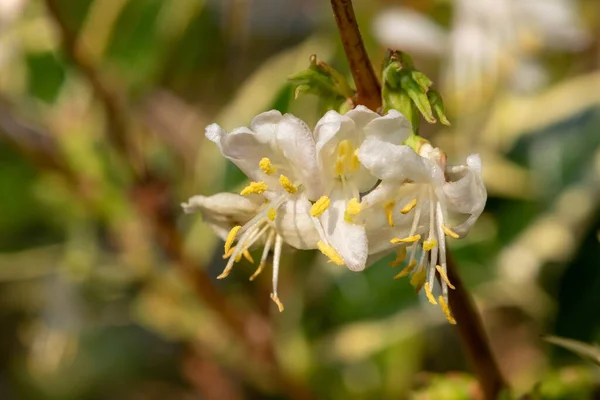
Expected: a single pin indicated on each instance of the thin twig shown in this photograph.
(367, 85)
(113, 104)
(473, 336)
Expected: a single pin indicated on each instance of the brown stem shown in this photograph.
(473, 336)
(367, 85)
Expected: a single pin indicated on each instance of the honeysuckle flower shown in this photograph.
(337, 213)
(418, 203)
(278, 154)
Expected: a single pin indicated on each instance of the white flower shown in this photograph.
(278, 154)
(337, 213)
(488, 40)
(416, 198)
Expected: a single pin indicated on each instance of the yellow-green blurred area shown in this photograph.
(108, 291)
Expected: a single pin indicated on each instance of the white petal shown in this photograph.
(295, 224)
(349, 240)
(223, 211)
(392, 162)
(467, 194)
(361, 116)
(241, 146)
(402, 28)
(392, 127)
(296, 143)
(265, 125)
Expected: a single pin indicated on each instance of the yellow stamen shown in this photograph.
(344, 148)
(429, 244)
(247, 256)
(330, 252)
(450, 232)
(254, 188)
(418, 279)
(339, 167)
(238, 258)
(444, 276)
(428, 294)
(389, 211)
(400, 256)
(407, 270)
(261, 266)
(320, 206)
(231, 237)
(353, 207)
(446, 310)
(410, 239)
(287, 184)
(277, 301)
(272, 214)
(354, 162)
(229, 253)
(266, 166)
(406, 209)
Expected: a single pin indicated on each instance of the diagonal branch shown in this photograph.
(367, 85)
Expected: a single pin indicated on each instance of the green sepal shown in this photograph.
(435, 99)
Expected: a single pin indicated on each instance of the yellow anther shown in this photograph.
(389, 211)
(429, 294)
(261, 266)
(400, 256)
(407, 208)
(277, 301)
(339, 167)
(444, 277)
(247, 256)
(354, 162)
(231, 237)
(320, 206)
(353, 207)
(450, 232)
(266, 166)
(429, 244)
(287, 184)
(409, 239)
(272, 214)
(229, 253)
(406, 271)
(254, 188)
(330, 252)
(238, 258)
(344, 148)
(418, 279)
(446, 310)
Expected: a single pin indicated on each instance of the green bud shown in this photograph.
(408, 90)
(324, 81)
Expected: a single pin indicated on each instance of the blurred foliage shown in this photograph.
(95, 304)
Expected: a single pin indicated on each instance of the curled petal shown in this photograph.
(348, 239)
(395, 163)
(392, 128)
(223, 211)
(465, 193)
(295, 225)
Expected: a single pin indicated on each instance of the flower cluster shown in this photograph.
(353, 188)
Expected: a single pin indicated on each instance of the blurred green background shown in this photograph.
(107, 291)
